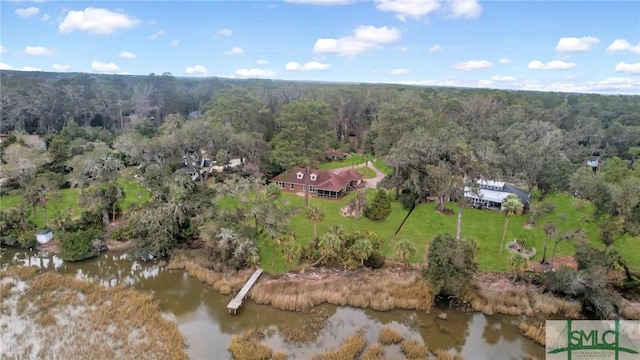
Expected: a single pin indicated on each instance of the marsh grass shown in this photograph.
(373, 352)
(247, 346)
(296, 335)
(520, 300)
(279, 356)
(84, 320)
(630, 311)
(349, 350)
(442, 354)
(412, 349)
(388, 336)
(536, 333)
(223, 283)
(381, 290)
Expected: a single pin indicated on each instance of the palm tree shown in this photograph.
(361, 249)
(316, 215)
(550, 230)
(329, 246)
(291, 252)
(517, 264)
(511, 205)
(404, 250)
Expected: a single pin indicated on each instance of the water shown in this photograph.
(202, 316)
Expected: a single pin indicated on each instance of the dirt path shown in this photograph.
(369, 183)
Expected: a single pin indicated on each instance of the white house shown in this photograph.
(44, 236)
(490, 194)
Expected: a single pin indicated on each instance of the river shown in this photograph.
(202, 316)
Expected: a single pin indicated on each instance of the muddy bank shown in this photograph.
(49, 316)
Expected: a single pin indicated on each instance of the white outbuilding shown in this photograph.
(44, 236)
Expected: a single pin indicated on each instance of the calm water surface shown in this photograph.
(202, 316)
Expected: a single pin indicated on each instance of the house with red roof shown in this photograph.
(330, 184)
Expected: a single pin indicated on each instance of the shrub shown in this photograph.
(451, 264)
(408, 199)
(78, 245)
(380, 208)
(375, 260)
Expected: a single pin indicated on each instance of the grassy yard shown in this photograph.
(483, 225)
(381, 165)
(352, 159)
(68, 198)
(366, 172)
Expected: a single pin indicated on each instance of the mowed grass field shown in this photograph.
(352, 159)
(65, 199)
(485, 226)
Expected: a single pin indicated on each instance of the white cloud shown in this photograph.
(502, 78)
(400, 71)
(4, 66)
(224, 32)
(198, 69)
(29, 68)
(473, 65)
(262, 62)
(96, 21)
(234, 51)
(27, 12)
(174, 43)
(574, 44)
(623, 45)
(628, 68)
(364, 38)
(414, 9)
(505, 61)
(435, 48)
(155, 35)
(1, 49)
(127, 55)
(321, 2)
(309, 66)
(62, 68)
(38, 51)
(377, 35)
(551, 65)
(104, 67)
(45, 17)
(254, 73)
(469, 9)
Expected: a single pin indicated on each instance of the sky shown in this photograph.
(567, 46)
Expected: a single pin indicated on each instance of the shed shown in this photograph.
(44, 236)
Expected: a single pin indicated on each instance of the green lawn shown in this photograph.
(381, 165)
(352, 159)
(68, 198)
(483, 225)
(366, 172)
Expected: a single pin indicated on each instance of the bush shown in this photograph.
(375, 260)
(408, 199)
(451, 264)
(78, 245)
(380, 208)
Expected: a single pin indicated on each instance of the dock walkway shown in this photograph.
(237, 301)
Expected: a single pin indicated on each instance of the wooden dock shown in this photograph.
(237, 301)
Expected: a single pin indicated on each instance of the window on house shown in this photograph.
(299, 175)
(304, 188)
(312, 188)
(291, 186)
(313, 177)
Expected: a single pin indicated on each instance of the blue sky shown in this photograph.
(584, 46)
